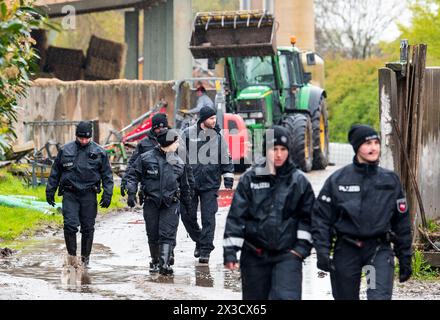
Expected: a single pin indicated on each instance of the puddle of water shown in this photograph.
(120, 259)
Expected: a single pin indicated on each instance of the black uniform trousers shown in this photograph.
(375, 259)
(80, 209)
(161, 223)
(270, 276)
(204, 237)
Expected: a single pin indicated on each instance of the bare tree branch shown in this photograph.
(351, 27)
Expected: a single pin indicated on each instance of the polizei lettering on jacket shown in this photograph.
(261, 185)
(353, 188)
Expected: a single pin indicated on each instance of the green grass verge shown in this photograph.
(18, 222)
(421, 269)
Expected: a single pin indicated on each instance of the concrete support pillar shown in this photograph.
(167, 30)
(183, 20)
(296, 17)
(132, 41)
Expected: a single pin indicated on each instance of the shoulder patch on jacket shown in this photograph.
(352, 188)
(402, 206)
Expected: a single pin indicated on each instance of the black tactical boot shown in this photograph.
(197, 251)
(86, 248)
(171, 262)
(154, 253)
(85, 261)
(70, 239)
(164, 259)
(204, 257)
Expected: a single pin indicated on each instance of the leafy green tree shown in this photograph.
(17, 57)
(424, 28)
(352, 88)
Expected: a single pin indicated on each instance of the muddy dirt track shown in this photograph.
(119, 266)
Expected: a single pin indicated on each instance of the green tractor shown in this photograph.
(266, 85)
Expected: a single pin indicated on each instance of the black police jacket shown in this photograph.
(146, 144)
(270, 213)
(81, 168)
(163, 177)
(208, 155)
(362, 201)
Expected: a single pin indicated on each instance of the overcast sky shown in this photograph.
(391, 33)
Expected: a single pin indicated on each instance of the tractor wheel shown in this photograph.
(320, 136)
(300, 129)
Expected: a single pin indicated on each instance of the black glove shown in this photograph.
(131, 201)
(123, 187)
(405, 269)
(141, 197)
(228, 182)
(50, 198)
(323, 262)
(105, 201)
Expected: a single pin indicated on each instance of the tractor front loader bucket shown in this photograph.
(233, 34)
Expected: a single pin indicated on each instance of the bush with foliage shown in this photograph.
(352, 88)
(17, 19)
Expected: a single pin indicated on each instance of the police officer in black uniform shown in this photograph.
(363, 206)
(270, 222)
(158, 122)
(208, 154)
(164, 181)
(77, 172)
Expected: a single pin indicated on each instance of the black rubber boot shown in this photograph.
(85, 261)
(86, 248)
(70, 239)
(154, 252)
(197, 251)
(171, 262)
(164, 259)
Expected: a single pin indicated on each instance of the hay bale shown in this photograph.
(65, 64)
(44, 75)
(40, 46)
(106, 50)
(105, 59)
(100, 69)
(65, 56)
(67, 72)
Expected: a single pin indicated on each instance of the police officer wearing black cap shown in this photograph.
(270, 222)
(165, 183)
(363, 208)
(208, 154)
(158, 123)
(77, 172)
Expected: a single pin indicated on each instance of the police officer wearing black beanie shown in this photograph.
(77, 172)
(270, 223)
(208, 155)
(362, 216)
(164, 181)
(159, 122)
